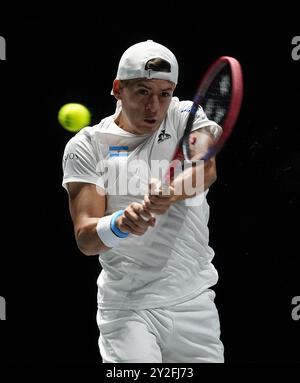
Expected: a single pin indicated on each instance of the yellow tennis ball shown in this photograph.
(74, 117)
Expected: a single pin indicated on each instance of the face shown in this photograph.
(144, 104)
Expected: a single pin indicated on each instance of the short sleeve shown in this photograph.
(79, 161)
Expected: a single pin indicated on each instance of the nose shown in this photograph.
(152, 104)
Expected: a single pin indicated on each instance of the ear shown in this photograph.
(116, 89)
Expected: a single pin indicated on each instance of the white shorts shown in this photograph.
(188, 332)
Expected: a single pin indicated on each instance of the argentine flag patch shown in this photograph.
(118, 151)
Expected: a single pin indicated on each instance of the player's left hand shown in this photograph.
(159, 198)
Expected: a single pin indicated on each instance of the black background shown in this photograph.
(60, 55)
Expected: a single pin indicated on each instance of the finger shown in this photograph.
(159, 211)
(134, 228)
(152, 221)
(131, 214)
(154, 186)
(135, 220)
(145, 215)
(147, 203)
(131, 230)
(148, 217)
(156, 201)
(141, 211)
(164, 191)
(154, 209)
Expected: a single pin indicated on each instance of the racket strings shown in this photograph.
(217, 98)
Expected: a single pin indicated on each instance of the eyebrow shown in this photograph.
(148, 87)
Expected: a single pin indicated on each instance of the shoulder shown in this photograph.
(182, 108)
(179, 106)
(81, 145)
(178, 112)
(86, 136)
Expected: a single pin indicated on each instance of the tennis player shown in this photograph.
(155, 302)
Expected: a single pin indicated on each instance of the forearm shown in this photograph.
(95, 235)
(195, 179)
(192, 181)
(87, 238)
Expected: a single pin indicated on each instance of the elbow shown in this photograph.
(210, 173)
(85, 243)
(85, 250)
(214, 177)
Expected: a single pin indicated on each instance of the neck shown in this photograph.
(124, 124)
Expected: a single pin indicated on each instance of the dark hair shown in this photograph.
(158, 65)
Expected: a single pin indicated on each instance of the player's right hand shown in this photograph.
(135, 219)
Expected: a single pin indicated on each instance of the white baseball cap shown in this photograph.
(133, 61)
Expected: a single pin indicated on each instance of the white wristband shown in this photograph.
(107, 236)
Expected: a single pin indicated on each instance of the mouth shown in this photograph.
(150, 120)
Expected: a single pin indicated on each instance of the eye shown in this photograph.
(166, 94)
(142, 92)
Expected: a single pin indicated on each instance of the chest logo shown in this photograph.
(163, 136)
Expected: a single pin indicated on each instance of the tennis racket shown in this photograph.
(220, 94)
